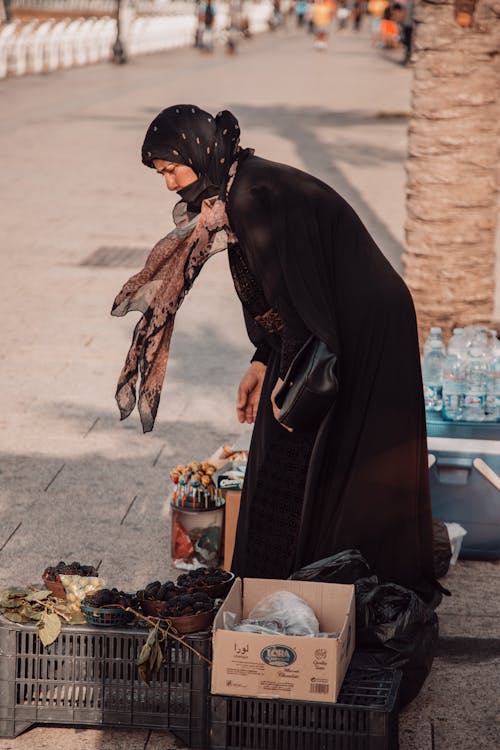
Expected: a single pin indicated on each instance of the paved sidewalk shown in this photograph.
(75, 482)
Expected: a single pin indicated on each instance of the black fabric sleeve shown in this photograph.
(255, 233)
(290, 248)
(261, 355)
(256, 336)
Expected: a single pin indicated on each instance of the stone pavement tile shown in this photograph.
(458, 689)
(465, 734)
(22, 475)
(456, 695)
(473, 609)
(48, 738)
(163, 741)
(415, 733)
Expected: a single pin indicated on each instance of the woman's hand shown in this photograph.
(249, 392)
(276, 410)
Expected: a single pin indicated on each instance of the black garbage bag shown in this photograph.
(395, 629)
(442, 548)
(344, 567)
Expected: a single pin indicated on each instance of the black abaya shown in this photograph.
(362, 480)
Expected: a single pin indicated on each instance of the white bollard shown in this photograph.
(53, 49)
(80, 42)
(107, 36)
(70, 44)
(6, 34)
(17, 49)
(36, 47)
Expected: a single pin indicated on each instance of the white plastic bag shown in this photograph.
(281, 612)
(456, 534)
(77, 588)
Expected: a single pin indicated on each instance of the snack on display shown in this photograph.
(78, 587)
(194, 486)
(215, 582)
(109, 597)
(234, 456)
(187, 612)
(158, 591)
(109, 607)
(71, 569)
(197, 516)
(51, 576)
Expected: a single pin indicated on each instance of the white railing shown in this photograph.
(75, 7)
(98, 7)
(43, 46)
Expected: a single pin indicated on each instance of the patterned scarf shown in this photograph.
(158, 291)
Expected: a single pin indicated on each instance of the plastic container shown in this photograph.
(106, 617)
(88, 676)
(432, 374)
(364, 717)
(475, 386)
(197, 534)
(464, 476)
(454, 371)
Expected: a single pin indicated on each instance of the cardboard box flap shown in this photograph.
(232, 603)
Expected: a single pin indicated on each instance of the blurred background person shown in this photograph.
(376, 11)
(309, 17)
(207, 13)
(233, 29)
(343, 13)
(357, 14)
(389, 30)
(322, 18)
(277, 18)
(407, 23)
(300, 12)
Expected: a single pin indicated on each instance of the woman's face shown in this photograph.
(177, 176)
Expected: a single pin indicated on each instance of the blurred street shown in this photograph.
(79, 215)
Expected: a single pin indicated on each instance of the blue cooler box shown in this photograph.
(464, 460)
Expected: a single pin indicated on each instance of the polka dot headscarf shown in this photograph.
(186, 134)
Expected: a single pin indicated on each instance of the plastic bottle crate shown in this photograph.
(89, 676)
(365, 717)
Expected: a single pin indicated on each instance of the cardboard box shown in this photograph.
(284, 666)
(233, 499)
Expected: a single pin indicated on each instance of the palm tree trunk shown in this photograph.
(453, 166)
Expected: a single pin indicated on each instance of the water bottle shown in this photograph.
(457, 343)
(475, 386)
(481, 339)
(432, 372)
(435, 335)
(454, 377)
(492, 407)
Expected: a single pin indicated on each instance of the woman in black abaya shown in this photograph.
(302, 264)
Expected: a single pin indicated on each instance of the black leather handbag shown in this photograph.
(309, 388)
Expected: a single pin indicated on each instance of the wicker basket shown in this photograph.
(106, 616)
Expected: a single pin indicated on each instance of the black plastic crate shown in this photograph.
(89, 676)
(365, 717)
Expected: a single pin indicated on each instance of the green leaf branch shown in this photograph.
(152, 653)
(38, 606)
